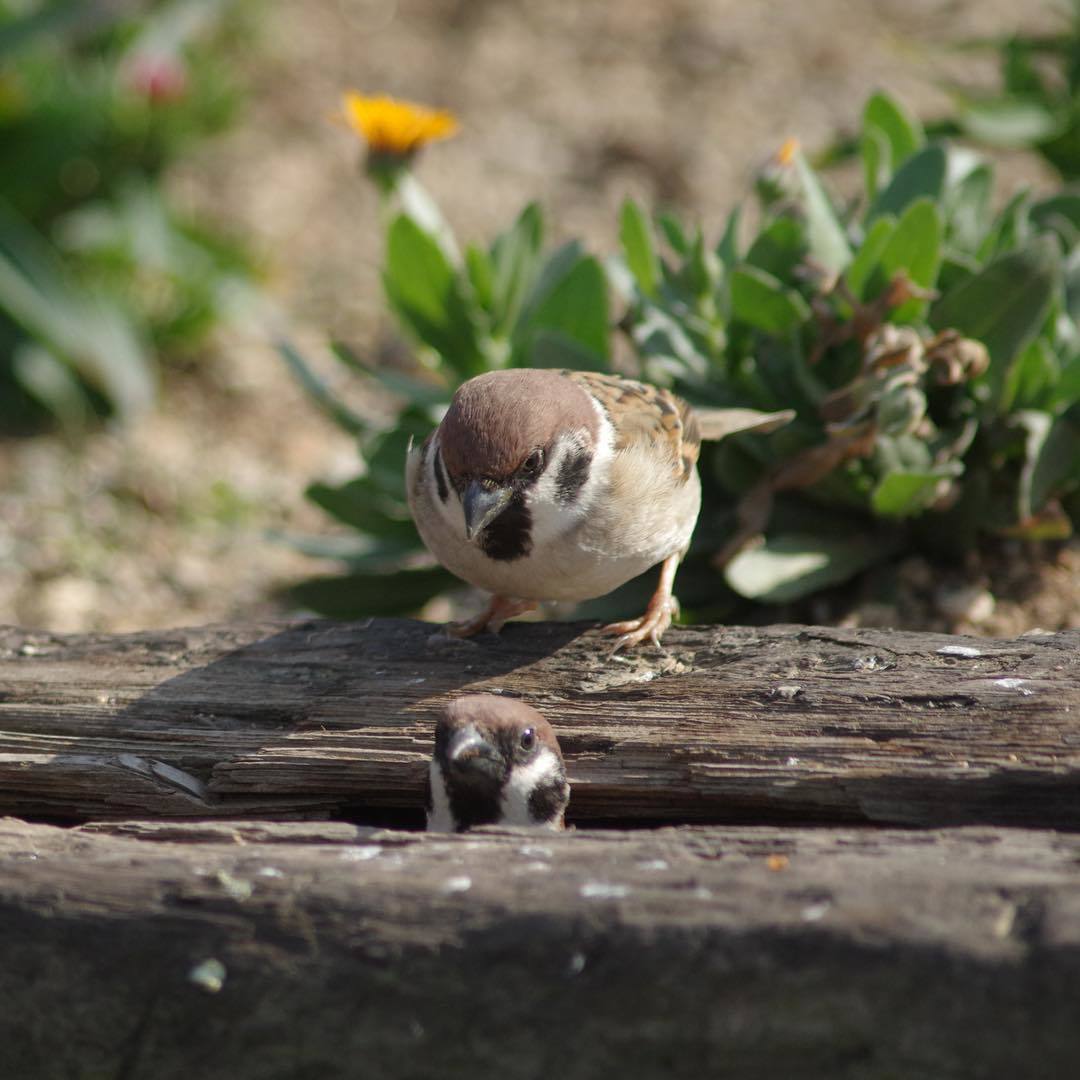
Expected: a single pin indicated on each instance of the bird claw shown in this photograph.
(657, 618)
(492, 619)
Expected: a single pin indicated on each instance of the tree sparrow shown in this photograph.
(563, 485)
(496, 762)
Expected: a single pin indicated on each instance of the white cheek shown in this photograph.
(452, 511)
(552, 518)
(439, 819)
(523, 781)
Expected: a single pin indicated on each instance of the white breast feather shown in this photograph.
(439, 819)
(628, 517)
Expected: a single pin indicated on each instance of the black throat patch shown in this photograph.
(472, 804)
(509, 536)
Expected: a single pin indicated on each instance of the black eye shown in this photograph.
(528, 738)
(533, 463)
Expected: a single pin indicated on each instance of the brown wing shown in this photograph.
(645, 414)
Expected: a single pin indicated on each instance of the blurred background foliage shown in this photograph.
(927, 340)
(101, 277)
(131, 177)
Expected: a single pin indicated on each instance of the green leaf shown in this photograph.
(825, 234)
(84, 329)
(727, 250)
(1011, 228)
(701, 272)
(794, 565)
(867, 259)
(1060, 212)
(968, 207)
(875, 153)
(53, 384)
(784, 370)
(515, 260)
(905, 494)
(1067, 390)
(59, 19)
(425, 293)
(424, 390)
(570, 299)
(362, 505)
(778, 248)
(481, 276)
(1071, 272)
(424, 212)
(350, 596)
(1016, 122)
(915, 248)
(1003, 305)
(674, 233)
(1019, 74)
(318, 391)
(921, 176)
(659, 336)
(1031, 378)
(552, 349)
(1051, 459)
(759, 300)
(636, 235)
(903, 134)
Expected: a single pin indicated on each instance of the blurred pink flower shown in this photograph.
(160, 77)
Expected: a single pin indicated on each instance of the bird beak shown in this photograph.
(483, 505)
(470, 752)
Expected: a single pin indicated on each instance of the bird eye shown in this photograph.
(528, 738)
(533, 463)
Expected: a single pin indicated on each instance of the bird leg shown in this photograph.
(663, 607)
(492, 617)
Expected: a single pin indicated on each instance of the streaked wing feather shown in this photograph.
(645, 414)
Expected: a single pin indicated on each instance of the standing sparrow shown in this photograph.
(496, 762)
(563, 485)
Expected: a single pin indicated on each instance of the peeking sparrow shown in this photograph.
(496, 762)
(563, 485)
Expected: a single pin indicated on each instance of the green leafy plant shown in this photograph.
(928, 345)
(98, 272)
(1038, 104)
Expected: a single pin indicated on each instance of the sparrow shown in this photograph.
(496, 762)
(562, 485)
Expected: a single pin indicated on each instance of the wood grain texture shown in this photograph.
(292, 950)
(727, 724)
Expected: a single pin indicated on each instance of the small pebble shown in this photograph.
(208, 974)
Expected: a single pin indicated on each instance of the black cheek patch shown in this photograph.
(572, 474)
(509, 536)
(440, 478)
(549, 800)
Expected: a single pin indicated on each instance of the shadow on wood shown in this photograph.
(726, 724)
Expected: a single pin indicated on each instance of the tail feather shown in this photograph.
(720, 423)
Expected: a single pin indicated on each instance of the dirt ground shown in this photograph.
(177, 520)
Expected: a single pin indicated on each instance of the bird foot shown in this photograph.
(492, 618)
(657, 618)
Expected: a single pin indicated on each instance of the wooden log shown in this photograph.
(726, 724)
(263, 950)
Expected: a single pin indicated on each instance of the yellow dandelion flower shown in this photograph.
(395, 128)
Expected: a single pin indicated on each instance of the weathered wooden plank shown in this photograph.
(261, 950)
(726, 724)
